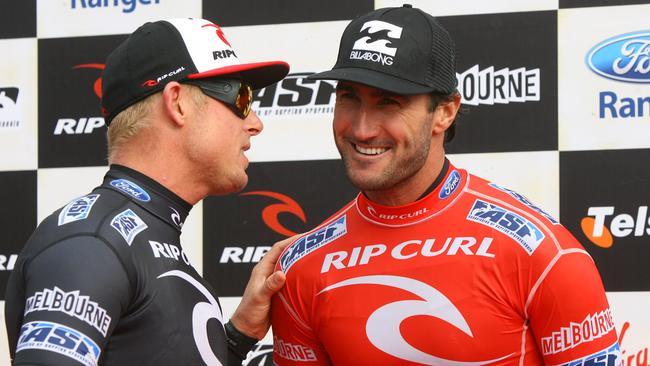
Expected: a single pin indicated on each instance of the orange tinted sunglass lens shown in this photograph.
(244, 99)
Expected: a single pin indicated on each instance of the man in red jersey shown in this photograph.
(429, 265)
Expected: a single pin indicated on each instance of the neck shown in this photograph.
(161, 162)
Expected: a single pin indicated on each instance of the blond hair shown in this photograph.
(134, 119)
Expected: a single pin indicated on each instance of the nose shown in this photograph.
(253, 124)
(363, 125)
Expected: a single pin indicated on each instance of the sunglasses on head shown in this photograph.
(233, 92)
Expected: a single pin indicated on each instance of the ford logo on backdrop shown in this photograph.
(624, 58)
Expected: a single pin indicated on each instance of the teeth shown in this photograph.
(370, 150)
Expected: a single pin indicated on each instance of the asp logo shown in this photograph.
(513, 225)
(270, 214)
(313, 241)
(503, 86)
(375, 44)
(621, 225)
(9, 112)
(78, 209)
(128, 224)
(296, 96)
(54, 337)
(611, 356)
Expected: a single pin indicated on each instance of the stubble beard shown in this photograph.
(394, 173)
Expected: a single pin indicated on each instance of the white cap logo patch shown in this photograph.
(373, 43)
(206, 44)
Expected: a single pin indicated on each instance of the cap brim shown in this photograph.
(258, 75)
(374, 79)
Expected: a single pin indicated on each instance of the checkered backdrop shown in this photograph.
(557, 107)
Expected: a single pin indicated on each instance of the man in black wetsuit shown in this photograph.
(104, 280)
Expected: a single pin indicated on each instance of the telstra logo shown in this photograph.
(621, 224)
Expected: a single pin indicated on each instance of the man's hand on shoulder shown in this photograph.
(252, 316)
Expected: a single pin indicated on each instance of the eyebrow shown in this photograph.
(376, 92)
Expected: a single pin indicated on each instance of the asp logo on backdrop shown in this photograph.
(282, 199)
(10, 116)
(295, 97)
(71, 127)
(624, 58)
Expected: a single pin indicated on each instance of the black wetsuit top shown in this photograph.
(104, 281)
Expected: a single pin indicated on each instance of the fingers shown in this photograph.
(274, 283)
(268, 261)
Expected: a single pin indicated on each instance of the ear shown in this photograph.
(445, 114)
(175, 103)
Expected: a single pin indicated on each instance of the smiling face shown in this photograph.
(384, 139)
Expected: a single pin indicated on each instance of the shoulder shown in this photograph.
(511, 213)
(97, 216)
(327, 232)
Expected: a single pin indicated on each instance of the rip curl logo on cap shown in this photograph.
(219, 33)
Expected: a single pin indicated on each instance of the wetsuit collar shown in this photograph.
(148, 194)
(442, 192)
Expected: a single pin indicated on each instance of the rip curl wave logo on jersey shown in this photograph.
(376, 42)
(624, 58)
(71, 303)
(176, 218)
(270, 214)
(513, 225)
(610, 356)
(78, 209)
(503, 86)
(313, 241)
(526, 202)
(128, 224)
(9, 112)
(621, 225)
(383, 325)
(452, 182)
(54, 337)
(594, 326)
(202, 313)
(131, 189)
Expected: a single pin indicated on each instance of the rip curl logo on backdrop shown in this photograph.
(271, 212)
(376, 42)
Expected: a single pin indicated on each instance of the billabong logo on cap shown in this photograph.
(375, 44)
